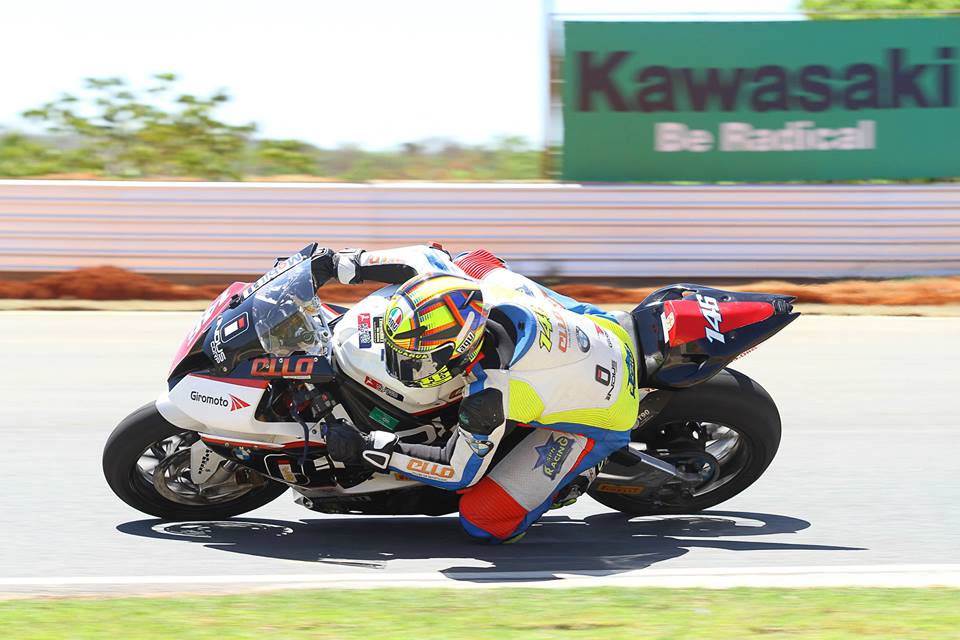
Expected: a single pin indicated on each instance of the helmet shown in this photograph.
(433, 329)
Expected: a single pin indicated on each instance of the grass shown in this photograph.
(606, 613)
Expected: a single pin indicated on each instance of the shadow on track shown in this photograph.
(602, 544)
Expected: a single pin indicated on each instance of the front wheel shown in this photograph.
(146, 462)
(731, 419)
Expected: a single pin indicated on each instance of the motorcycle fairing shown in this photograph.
(684, 321)
(688, 332)
(194, 339)
(225, 404)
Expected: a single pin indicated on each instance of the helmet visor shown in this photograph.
(413, 369)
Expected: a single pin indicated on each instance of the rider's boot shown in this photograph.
(576, 488)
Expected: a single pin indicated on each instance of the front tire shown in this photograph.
(731, 403)
(145, 430)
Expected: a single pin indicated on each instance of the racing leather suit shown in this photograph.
(556, 378)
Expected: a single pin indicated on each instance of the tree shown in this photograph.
(135, 135)
(116, 130)
(20, 156)
(835, 8)
(282, 157)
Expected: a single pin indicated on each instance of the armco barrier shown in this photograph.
(570, 230)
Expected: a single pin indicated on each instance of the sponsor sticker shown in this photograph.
(364, 331)
(376, 385)
(430, 469)
(602, 375)
(631, 373)
(383, 418)
(603, 334)
(607, 377)
(373, 384)
(563, 333)
(280, 267)
(218, 355)
(467, 342)
(378, 329)
(219, 401)
(479, 446)
(393, 394)
(298, 368)
(382, 388)
(546, 329)
(668, 318)
(236, 326)
(619, 488)
(552, 454)
(583, 341)
(393, 319)
(373, 258)
(287, 472)
(237, 403)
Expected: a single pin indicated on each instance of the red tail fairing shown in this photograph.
(688, 333)
(688, 320)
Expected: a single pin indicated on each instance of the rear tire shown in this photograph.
(731, 399)
(124, 448)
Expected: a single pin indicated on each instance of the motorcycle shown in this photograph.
(267, 365)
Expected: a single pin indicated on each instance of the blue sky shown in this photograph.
(369, 72)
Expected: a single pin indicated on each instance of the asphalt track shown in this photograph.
(865, 489)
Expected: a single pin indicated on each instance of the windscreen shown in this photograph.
(287, 314)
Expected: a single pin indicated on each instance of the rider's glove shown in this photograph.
(379, 449)
(349, 445)
(323, 265)
(348, 265)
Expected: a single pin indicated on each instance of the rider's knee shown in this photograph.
(489, 513)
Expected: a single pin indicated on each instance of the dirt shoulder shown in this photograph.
(115, 289)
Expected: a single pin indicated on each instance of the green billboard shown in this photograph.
(756, 101)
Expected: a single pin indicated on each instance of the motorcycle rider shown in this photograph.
(554, 377)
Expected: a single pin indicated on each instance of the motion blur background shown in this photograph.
(530, 128)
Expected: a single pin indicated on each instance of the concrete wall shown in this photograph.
(569, 230)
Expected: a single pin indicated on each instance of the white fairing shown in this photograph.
(220, 409)
(174, 415)
(211, 405)
(359, 354)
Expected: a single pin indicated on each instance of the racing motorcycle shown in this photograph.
(268, 364)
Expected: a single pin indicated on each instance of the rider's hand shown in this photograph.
(344, 442)
(349, 445)
(323, 265)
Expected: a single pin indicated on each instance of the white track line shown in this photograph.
(946, 575)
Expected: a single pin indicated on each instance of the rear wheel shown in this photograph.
(146, 462)
(727, 430)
